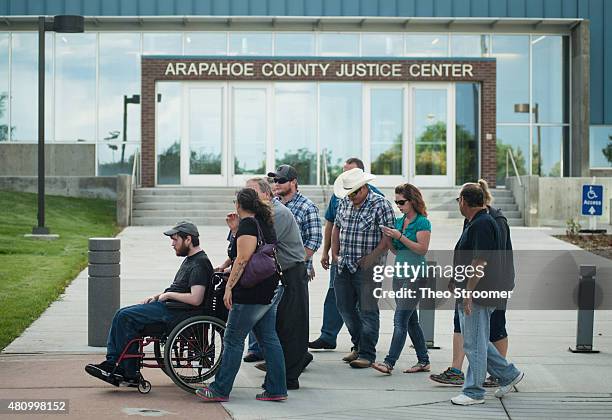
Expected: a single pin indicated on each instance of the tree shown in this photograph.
(607, 151)
(519, 158)
(4, 128)
(304, 161)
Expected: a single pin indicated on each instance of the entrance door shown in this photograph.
(204, 152)
(432, 134)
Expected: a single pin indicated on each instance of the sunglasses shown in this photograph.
(401, 202)
(354, 193)
(280, 180)
(457, 199)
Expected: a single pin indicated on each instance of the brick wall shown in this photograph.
(153, 70)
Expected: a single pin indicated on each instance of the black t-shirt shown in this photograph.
(262, 293)
(481, 239)
(195, 270)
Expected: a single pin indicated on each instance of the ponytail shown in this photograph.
(488, 197)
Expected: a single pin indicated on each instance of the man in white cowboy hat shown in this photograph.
(357, 246)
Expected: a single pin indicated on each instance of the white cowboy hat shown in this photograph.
(350, 181)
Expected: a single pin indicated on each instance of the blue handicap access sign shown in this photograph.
(592, 200)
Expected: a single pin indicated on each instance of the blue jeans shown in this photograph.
(127, 324)
(406, 321)
(253, 345)
(332, 320)
(481, 353)
(359, 309)
(262, 320)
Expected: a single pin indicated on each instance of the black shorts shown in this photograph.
(498, 324)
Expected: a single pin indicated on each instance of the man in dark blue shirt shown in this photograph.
(332, 320)
(478, 252)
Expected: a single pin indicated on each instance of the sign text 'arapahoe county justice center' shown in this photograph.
(317, 69)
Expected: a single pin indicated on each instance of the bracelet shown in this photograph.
(400, 237)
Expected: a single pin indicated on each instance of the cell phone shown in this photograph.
(382, 226)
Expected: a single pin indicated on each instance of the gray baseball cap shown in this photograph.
(285, 172)
(186, 227)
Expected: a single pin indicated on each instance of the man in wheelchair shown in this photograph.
(193, 277)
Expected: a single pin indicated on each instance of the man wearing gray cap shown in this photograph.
(190, 282)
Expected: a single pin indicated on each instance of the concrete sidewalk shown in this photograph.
(559, 384)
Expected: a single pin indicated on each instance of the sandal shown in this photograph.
(383, 367)
(419, 367)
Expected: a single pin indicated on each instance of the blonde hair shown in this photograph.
(488, 197)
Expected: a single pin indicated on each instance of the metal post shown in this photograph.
(427, 312)
(586, 310)
(103, 288)
(41, 229)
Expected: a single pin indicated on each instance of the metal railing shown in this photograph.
(510, 158)
(324, 175)
(135, 181)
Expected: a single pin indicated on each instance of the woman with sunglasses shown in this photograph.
(410, 242)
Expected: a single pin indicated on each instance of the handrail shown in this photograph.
(510, 156)
(325, 177)
(135, 180)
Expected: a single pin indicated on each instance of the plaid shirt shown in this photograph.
(307, 217)
(359, 228)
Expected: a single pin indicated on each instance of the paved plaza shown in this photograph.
(47, 360)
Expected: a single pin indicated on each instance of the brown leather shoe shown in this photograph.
(353, 355)
(361, 363)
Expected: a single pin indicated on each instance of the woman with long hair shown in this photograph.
(410, 244)
(252, 308)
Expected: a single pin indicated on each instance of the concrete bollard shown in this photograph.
(427, 313)
(103, 289)
(586, 310)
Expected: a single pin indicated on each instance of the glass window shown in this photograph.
(467, 128)
(4, 86)
(119, 87)
(206, 43)
(205, 130)
(116, 158)
(550, 78)
(24, 86)
(75, 87)
(430, 131)
(294, 44)
(336, 44)
(515, 139)
(251, 43)
(386, 130)
(469, 45)
(600, 149)
(427, 45)
(249, 130)
(382, 45)
(547, 151)
(512, 53)
(162, 43)
(168, 136)
(295, 126)
(339, 124)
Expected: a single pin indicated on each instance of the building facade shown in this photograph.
(210, 92)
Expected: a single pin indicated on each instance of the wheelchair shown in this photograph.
(189, 349)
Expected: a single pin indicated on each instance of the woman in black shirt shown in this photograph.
(250, 308)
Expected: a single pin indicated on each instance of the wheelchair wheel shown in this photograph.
(192, 352)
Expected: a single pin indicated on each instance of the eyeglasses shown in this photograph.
(401, 202)
(457, 199)
(354, 193)
(280, 180)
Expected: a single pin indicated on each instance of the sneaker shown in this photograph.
(360, 363)
(319, 344)
(449, 377)
(107, 371)
(503, 390)
(261, 366)
(463, 399)
(307, 360)
(353, 355)
(266, 396)
(491, 382)
(208, 395)
(252, 357)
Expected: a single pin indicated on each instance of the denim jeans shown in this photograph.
(332, 320)
(262, 320)
(359, 309)
(253, 345)
(406, 321)
(481, 353)
(127, 324)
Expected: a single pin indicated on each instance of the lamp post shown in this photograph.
(61, 24)
(134, 99)
(524, 109)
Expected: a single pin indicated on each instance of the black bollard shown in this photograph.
(586, 310)
(427, 311)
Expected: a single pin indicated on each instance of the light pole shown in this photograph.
(524, 109)
(61, 24)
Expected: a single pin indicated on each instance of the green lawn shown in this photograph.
(34, 273)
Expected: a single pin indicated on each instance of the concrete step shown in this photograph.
(454, 207)
(456, 215)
